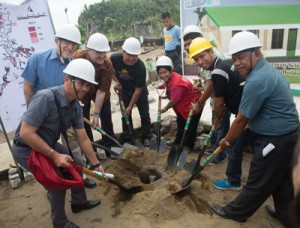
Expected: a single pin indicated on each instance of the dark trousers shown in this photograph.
(143, 107)
(191, 133)
(56, 197)
(176, 60)
(106, 122)
(269, 175)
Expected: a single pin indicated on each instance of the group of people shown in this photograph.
(267, 118)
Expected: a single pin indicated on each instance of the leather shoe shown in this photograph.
(88, 183)
(272, 212)
(68, 224)
(86, 206)
(220, 211)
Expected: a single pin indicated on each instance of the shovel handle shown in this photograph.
(188, 121)
(91, 173)
(211, 156)
(92, 125)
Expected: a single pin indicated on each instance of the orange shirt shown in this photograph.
(103, 76)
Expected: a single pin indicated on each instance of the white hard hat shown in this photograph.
(132, 46)
(83, 69)
(98, 42)
(164, 61)
(69, 32)
(243, 41)
(191, 29)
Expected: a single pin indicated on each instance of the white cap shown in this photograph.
(164, 61)
(243, 41)
(69, 32)
(98, 42)
(191, 29)
(81, 68)
(132, 46)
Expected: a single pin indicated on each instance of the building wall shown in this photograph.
(222, 38)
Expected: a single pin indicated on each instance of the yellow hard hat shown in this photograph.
(199, 45)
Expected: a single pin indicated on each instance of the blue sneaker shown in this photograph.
(224, 185)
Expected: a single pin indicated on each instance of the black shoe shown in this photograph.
(219, 211)
(88, 205)
(68, 224)
(88, 183)
(272, 212)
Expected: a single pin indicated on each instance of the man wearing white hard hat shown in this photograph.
(44, 69)
(96, 53)
(40, 129)
(268, 109)
(130, 77)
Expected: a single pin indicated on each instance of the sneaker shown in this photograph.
(147, 142)
(224, 185)
(219, 159)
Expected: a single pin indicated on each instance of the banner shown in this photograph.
(24, 29)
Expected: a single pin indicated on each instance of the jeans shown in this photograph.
(143, 107)
(235, 158)
(221, 132)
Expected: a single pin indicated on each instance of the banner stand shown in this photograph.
(9, 145)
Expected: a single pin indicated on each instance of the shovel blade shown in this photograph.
(177, 157)
(161, 148)
(191, 166)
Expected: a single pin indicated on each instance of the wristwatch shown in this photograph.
(227, 143)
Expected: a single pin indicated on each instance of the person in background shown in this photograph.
(130, 79)
(268, 111)
(180, 92)
(228, 88)
(96, 53)
(172, 41)
(40, 129)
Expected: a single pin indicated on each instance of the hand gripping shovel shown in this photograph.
(187, 182)
(158, 144)
(194, 164)
(123, 110)
(107, 177)
(177, 155)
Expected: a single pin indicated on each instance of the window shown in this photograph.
(235, 32)
(256, 32)
(277, 38)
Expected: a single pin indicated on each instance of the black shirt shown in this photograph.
(129, 76)
(228, 83)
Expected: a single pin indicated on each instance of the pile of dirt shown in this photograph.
(133, 173)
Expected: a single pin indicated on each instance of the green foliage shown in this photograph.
(115, 18)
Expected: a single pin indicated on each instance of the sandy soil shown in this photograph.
(144, 205)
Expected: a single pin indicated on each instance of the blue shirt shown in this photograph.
(172, 38)
(44, 69)
(42, 113)
(267, 101)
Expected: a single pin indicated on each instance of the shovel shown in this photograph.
(123, 110)
(158, 144)
(115, 152)
(194, 164)
(187, 182)
(177, 155)
(107, 177)
(102, 132)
